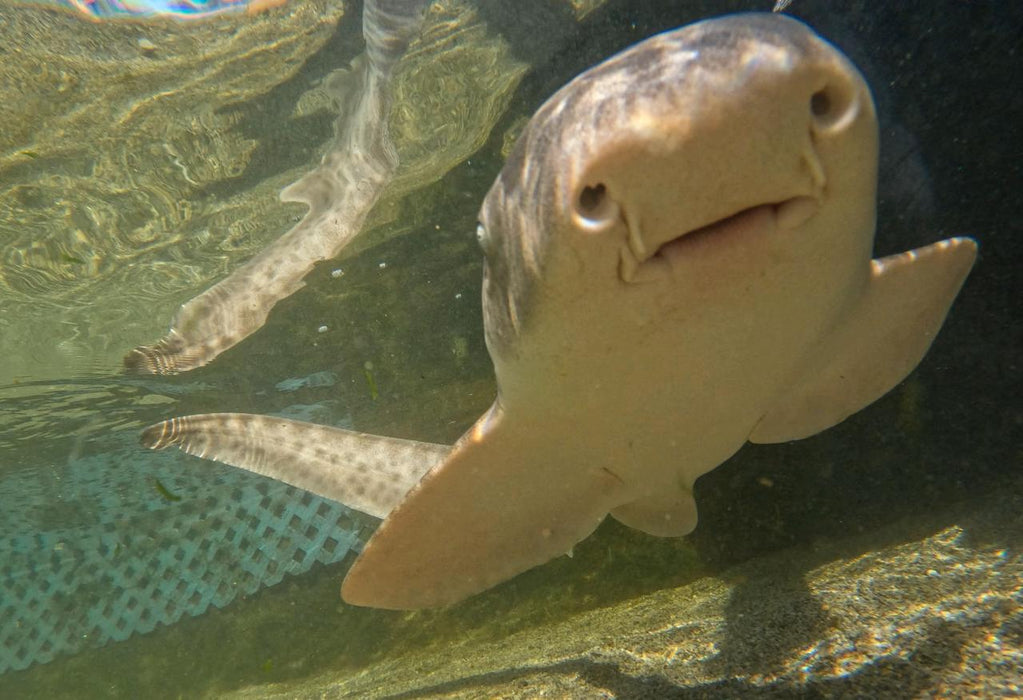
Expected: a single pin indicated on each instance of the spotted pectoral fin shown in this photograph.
(369, 473)
(510, 497)
(881, 342)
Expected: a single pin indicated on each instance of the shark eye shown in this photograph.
(594, 207)
(483, 238)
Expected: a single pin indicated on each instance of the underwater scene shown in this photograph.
(470, 348)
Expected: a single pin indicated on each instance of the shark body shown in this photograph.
(678, 261)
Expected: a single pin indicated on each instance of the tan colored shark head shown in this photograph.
(678, 260)
(681, 235)
(707, 193)
(746, 116)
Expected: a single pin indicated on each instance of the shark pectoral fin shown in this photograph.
(671, 513)
(508, 498)
(884, 338)
(369, 473)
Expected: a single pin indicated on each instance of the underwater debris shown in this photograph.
(311, 381)
(367, 371)
(165, 492)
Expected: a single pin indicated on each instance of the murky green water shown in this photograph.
(140, 162)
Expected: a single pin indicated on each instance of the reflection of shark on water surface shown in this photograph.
(339, 193)
(678, 260)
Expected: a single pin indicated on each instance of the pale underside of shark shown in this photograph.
(678, 260)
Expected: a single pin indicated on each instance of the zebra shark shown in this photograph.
(678, 260)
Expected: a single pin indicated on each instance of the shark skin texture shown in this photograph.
(678, 261)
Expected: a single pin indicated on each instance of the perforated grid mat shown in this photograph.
(113, 545)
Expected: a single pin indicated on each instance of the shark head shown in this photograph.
(727, 167)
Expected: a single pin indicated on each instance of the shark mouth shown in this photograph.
(638, 263)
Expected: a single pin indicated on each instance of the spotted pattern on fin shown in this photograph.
(370, 473)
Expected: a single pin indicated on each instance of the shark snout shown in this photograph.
(785, 170)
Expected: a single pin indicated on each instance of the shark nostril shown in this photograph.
(591, 199)
(832, 107)
(595, 208)
(820, 104)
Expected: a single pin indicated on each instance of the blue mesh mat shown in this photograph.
(113, 545)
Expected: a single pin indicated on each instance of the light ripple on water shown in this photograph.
(137, 174)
